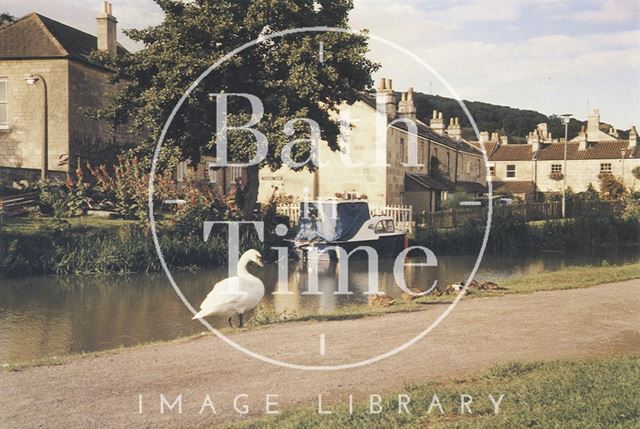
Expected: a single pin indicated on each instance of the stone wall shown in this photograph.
(580, 173)
(21, 144)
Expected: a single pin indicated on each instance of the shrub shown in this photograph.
(610, 186)
(127, 189)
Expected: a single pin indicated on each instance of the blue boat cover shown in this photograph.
(331, 220)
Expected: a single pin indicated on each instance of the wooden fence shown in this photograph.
(401, 214)
(527, 211)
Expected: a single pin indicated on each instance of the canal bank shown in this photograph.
(57, 315)
(104, 390)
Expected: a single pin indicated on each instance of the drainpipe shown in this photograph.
(535, 178)
(455, 175)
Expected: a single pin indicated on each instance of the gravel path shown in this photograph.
(103, 391)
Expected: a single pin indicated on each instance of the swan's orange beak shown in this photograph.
(259, 262)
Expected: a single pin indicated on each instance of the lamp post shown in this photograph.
(32, 80)
(565, 121)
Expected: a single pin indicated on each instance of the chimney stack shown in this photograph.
(593, 126)
(454, 131)
(437, 123)
(407, 108)
(633, 137)
(385, 100)
(107, 40)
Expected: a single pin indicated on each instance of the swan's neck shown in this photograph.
(242, 269)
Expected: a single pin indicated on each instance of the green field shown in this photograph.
(561, 394)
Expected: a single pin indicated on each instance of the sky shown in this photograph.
(554, 56)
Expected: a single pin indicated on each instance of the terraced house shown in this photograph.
(538, 166)
(48, 82)
(445, 162)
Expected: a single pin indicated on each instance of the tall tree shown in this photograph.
(6, 18)
(285, 73)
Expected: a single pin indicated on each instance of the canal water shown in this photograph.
(57, 315)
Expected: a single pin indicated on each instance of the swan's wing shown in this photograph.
(225, 293)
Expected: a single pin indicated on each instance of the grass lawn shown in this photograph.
(28, 226)
(560, 394)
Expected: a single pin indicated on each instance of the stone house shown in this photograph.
(364, 167)
(47, 79)
(539, 164)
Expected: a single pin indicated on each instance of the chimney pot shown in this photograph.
(389, 84)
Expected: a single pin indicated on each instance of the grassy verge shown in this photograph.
(560, 394)
(566, 278)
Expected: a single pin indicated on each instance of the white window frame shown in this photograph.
(182, 170)
(606, 167)
(235, 172)
(515, 175)
(211, 175)
(5, 125)
(492, 170)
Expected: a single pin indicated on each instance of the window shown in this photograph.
(236, 173)
(4, 104)
(182, 171)
(556, 168)
(384, 226)
(492, 170)
(605, 167)
(449, 163)
(468, 166)
(211, 172)
(511, 170)
(403, 151)
(479, 168)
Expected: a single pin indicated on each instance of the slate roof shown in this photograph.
(426, 132)
(472, 187)
(514, 187)
(419, 182)
(36, 36)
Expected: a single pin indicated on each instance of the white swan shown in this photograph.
(235, 295)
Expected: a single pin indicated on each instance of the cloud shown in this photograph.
(608, 11)
(486, 10)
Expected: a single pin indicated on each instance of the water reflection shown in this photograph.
(45, 316)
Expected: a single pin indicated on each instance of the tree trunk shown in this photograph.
(250, 191)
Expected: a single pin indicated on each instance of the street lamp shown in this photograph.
(32, 80)
(565, 121)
